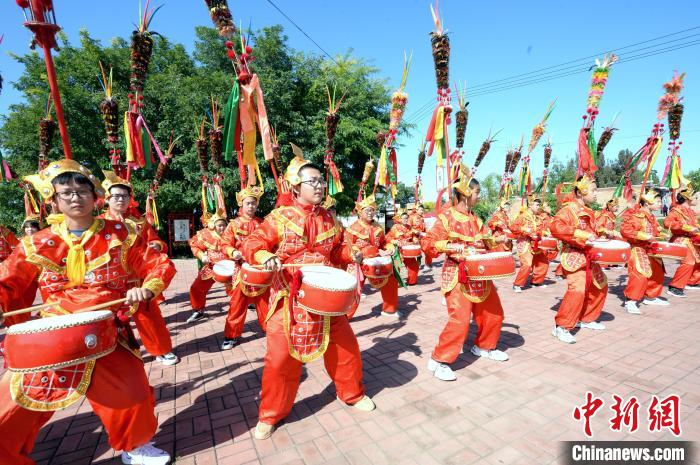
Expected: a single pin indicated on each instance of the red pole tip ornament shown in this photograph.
(228, 44)
(248, 49)
(23, 3)
(230, 54)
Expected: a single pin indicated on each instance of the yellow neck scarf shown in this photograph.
(75, 262)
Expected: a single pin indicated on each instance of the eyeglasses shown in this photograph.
(315, 183)
(68, 195)
(119, 196)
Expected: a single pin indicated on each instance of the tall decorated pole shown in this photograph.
(41, 20)
(670, 106)
(537, 133)
(440, 120)
(334, 184)
(587, 161)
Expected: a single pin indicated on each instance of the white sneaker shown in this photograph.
(693, 286)
(168, 359)
(146, 455)
(196, 316)
(493, 354)
(631, 307)
(444, 302)
(591, 325)
(517, 289)
(656, 301)
(441, 371)
(363, 296)
(396, 314)
(563, 335)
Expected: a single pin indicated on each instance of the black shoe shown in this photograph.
(675, 292)
(229, 343)
(196, 316)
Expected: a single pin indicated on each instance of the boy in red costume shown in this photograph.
(367, 237)
(529, 227)
(682, 221)
(209, 247)
(302, 233)
(148, 319)
(81, 261)
(458, 231)
(242, 295)
(645, 274)
(400, 235)
(587, 285)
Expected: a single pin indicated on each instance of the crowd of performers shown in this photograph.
(80, 260)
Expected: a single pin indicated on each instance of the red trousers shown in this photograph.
(535, 263)
(119, 394)
(688, 272)
(579, 303)
(238, 309)
(559, 271)
(280, 379)
(488, 316)
(198, 293)
(390, 297)
(639, 286)
(428, 259)
(412, 267)
(152, 328)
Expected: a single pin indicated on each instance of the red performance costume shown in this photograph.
(646, 274)
(529, 227)
(683, 223)
(77, 272)
(417, 223)
(369, 239)
(207, 245)
(499, 224)
(301, 234)
(148, 319)
(242, 295)
(401, 235)
(8, 243)
(458, 226)
(587, 285)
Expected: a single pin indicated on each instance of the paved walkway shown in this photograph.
(495, 413)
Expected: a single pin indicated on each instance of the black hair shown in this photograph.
(33, 223)
(309, 165)
(473, 182)
(680, 200)
(123, 186)
(73, 177)
(537, 200)
(576, 190)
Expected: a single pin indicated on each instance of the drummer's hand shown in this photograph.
(205, 260)
(456, 248)
(2, 317)
(273, 264)
(415, 240)
(501, 240)
(384, 253)
(357, 257)
(236, 255)
(138, 294)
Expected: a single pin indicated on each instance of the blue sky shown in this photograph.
(490, 41)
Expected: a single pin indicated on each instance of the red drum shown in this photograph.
(548, 243)
(223, 270)
(256, 277)
(668, 250)
(609, 252)
(487, 266)
(327, 291)
(60, 341)
(411, 251)
(377, 267)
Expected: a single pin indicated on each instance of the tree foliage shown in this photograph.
(177, 94)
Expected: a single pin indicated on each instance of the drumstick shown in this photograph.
(88, 309)
(289, 265)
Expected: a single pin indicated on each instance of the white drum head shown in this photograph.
(411, 247)
(74, 319)
(487, 256)
(610, 245)
(374, 261)
(224, 268)
(326, 277)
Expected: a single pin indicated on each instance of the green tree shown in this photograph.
(177, 94)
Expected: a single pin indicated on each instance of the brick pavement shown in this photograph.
(495, 413)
